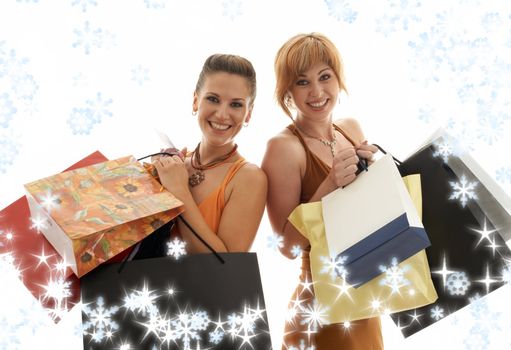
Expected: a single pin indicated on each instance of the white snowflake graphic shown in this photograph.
(334, 267)
(394, 276)
(82, 119)
(399, 15)
(341, 10)
(98, 107)
(155, 4)
(443, 149)
(275, 241)
(296, 251)
(83, 4)
(99, 325)
(141, 301)
(216, 336)
(463, 190)
(88, 37)
(314, 316)
(503, 175)
(437, 313)
(176, 248)
(140, 74)
(457, 283)
(7, 110)
(232, 8)
(9, 150)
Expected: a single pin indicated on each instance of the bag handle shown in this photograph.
(398, 162)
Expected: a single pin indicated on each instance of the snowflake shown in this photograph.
(82, 119)
(394, 276)
(98, 108)
(89, 37)
(400, 13)
(341, 10)
(463, 190)
(7, 110)
(506, 274)
(84, 4)
(491, 125)
(232, 9)
(49, 201)
(9, 150)
(141, 301)
(25, 87)
(466, 92)
(334, 266)
(437, 313)
(242, 325)
(457, 283)
(426, 114)
(428, 52)
(99, 324)
(503, 174)
(216, 336)
(314, 316)
(296, 251)
(155, 4)
(275, 241)
(442, 149)
(140, 75)
(186, 326)
(176, 248)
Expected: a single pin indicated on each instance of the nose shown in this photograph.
(315, 90)
(222, 111)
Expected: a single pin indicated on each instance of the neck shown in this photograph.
(209, 153)
(317, 128)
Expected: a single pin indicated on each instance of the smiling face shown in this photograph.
(315, 92)
(223, 104)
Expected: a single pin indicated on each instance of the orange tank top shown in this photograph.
(213, 205)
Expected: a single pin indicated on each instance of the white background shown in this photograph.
(398, 92)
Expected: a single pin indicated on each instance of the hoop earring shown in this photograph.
(245, 124)
(194, 113)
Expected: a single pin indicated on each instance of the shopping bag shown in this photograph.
(97, 212)
(468, 257)
(371, 221)
(195, 302)
(401, 286)
(41, 269)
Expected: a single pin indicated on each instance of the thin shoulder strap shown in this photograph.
(338, 128)
(295, 132)
(233, 170)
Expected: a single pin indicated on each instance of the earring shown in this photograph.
(245, 124)
(194, 113)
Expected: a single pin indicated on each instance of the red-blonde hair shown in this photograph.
(299, 54)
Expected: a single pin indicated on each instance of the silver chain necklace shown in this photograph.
(326, 142)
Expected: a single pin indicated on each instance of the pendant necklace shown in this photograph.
(326, 142)
(198, 176)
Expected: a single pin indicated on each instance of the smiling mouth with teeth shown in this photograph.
(217, 126)
(318, 104)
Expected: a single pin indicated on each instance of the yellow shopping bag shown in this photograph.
(400, 287)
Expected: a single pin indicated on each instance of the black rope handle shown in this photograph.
(160, 154)
(201, 239)
(385, 152)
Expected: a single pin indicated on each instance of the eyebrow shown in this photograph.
(321, 71)
(217, 95)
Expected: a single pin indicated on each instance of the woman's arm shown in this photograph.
(240, 218)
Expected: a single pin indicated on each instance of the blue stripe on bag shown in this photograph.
(396, 240)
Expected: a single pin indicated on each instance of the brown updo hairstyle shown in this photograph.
(299, 54)
(232, 64)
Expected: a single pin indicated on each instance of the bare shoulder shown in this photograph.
(352, 127)
(251, 175)
(284, 146)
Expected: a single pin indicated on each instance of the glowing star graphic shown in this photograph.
(487, 280)
(375, 304)
(343, 288)
(444, 272)
(141, 301)
(314, 316)
(275, 241)
(415, 317)
(176, 248)
(485, 233)
(463, 190)
(306, 285)
(43, 258)
(437, 313)
(457, 283)
(394, 276)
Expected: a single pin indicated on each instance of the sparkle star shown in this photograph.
(487, 280)
(306, 285)
(343, 289)
(43, 259)
(444, 272)
(485, 233)
(493, 246)
(415, 317)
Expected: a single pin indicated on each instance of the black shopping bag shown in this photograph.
(196, 302)
(468, 257)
